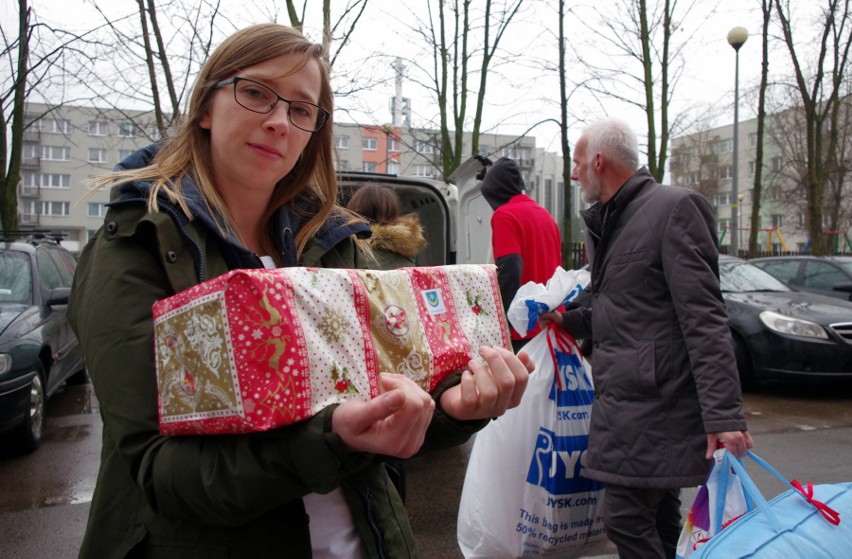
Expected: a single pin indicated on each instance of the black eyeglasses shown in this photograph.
(259, 98)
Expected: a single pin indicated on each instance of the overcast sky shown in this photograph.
(525, 96)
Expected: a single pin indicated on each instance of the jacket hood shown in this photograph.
(404, 236)
(502, 182)
(336, 228)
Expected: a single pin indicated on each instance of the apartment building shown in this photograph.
(66, 146)
(704, 161)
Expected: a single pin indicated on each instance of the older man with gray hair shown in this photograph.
(666, 382)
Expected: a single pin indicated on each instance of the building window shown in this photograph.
(30, 180)
(424, 147)
(96, 210)
(723, 224)
(802, 220)
(341, 142)
(56, 126)
(343, 165)
(55, 180)
(776, 164)
(124, 154)
(521, 154)
(368, 166)
(752, 140)
(127, 130)
(723, 199)
(154, 132)
(424, 171)
(97, 155)
(42, 207)
(774, 193)
(725, 172)
(393, 168)
(368, 144)
(98, 128)
(31, 154)
(393, 144)
(56, 153)
(777, 220)
(724, 146)
(751, 167)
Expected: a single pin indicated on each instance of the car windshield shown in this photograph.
(846, 265)
(738, 276)
(15, 277)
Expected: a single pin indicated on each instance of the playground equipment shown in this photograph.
(770, 231)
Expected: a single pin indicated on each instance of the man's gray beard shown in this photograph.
(592, 193)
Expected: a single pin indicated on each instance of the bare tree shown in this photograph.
(156, 49)
(642, 62)
(335, 33)
(821, 105)
(35, 59)
(757, 192)
(463, 46)
(568, 215)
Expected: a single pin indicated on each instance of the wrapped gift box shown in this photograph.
(253, 350)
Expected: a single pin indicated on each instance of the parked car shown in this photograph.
(826, 275)
(38, 349)
(781, 333)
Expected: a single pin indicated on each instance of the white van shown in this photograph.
(455, 217)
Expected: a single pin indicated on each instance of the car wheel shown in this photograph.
(743, 364)
(29, 433)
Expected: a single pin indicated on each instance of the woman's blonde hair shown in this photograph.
(188, 152)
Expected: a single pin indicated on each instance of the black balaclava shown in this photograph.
(502, 182)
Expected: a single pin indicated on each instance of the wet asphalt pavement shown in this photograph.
(44, 496)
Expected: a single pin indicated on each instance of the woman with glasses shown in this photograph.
(247, 181)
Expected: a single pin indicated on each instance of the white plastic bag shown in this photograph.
(718, 502)
(524, 492)
(533, 299)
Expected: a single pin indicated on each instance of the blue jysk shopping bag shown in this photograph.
(525, 493)
(803, 522)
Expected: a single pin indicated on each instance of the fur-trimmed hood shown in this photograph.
(404, 236)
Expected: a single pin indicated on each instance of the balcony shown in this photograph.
(32, 135)
(31, 163)
(28, 219)
(29, 191)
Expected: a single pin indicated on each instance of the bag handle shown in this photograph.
(750, 489)
(829, 514)
(557, 338)
(725, 477)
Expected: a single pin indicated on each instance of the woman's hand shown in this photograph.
(488, 390)
(394, 423)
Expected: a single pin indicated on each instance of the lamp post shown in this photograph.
(736, 38)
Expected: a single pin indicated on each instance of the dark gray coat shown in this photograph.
(664, 367)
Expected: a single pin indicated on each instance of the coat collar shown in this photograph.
(287, 222)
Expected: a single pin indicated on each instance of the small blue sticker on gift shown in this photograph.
(434, 301)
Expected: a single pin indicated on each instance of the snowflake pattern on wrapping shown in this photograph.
(257, 349)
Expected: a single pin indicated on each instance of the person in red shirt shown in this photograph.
(525, 239)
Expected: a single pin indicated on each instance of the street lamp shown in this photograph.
(736, 38)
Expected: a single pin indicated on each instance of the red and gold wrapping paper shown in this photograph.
(253, 350)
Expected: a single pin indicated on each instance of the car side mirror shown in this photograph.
(845, 288)
(58, 296)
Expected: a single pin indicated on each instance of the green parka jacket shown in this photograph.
(218, 496)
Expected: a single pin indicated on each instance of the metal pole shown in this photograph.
(736, 38)
(735, 203)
